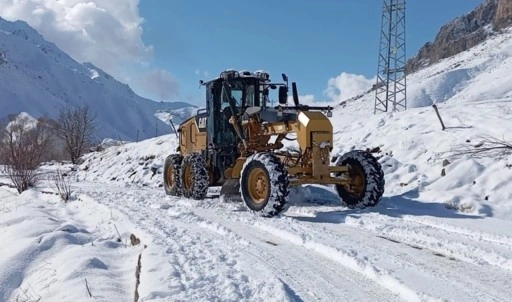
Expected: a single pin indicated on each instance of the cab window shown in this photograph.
(236, 93)
(250, 96)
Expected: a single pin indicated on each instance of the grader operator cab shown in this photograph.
(238, 142)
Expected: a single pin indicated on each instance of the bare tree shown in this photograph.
(23, 143)
(75, 126)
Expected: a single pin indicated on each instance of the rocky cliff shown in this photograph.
(503, 16)
(464, 33)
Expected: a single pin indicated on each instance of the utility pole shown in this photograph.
(390, 88)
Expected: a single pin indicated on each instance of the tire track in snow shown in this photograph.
(199, 268)
(309, 275)
(305, 276)
(298, 272)
(475, 247)
(442, 276)
(350, 264)
(504, 241)
(448, 278)
(353, 243)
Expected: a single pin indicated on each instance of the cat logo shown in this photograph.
(202, 122)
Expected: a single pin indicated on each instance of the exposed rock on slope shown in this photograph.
(464, 33)
(503, 16)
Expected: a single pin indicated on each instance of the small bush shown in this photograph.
(487, 147)
(62, 185)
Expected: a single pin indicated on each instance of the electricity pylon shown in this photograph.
(391, 79)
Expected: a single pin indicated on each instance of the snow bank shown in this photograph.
(414, 148)
(49, 246)
(129, 164)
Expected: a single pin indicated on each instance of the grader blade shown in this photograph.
(231, 190)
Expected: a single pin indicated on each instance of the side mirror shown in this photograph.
(283, 95)
(295, 94)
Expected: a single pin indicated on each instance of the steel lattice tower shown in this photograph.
(391, 80)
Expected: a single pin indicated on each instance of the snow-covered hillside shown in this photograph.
(38, 78)
(481, 73)
(431, 238)
(177, 116)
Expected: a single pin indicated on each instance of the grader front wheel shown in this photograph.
(366, 180)
(264, 184)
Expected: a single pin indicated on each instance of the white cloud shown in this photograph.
(104, 32)
(347, 85)
(107, 33)
(339, 89)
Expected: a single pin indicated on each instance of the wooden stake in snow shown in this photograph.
(88, 289)
(439, 116)
(137, 279)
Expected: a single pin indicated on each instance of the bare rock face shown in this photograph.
(464, 33)
(503, 16)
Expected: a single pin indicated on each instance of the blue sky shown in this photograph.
(311, 41)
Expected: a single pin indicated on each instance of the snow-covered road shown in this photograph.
(215, 250)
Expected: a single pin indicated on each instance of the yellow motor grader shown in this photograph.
(238, 142)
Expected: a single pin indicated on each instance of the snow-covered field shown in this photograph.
(432, 237)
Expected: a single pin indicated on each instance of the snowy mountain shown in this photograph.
(37, 77)
(442, 232)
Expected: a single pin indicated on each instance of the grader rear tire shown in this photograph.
(366, 180)
(172, 167)
(194, 176)
(264, 184)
